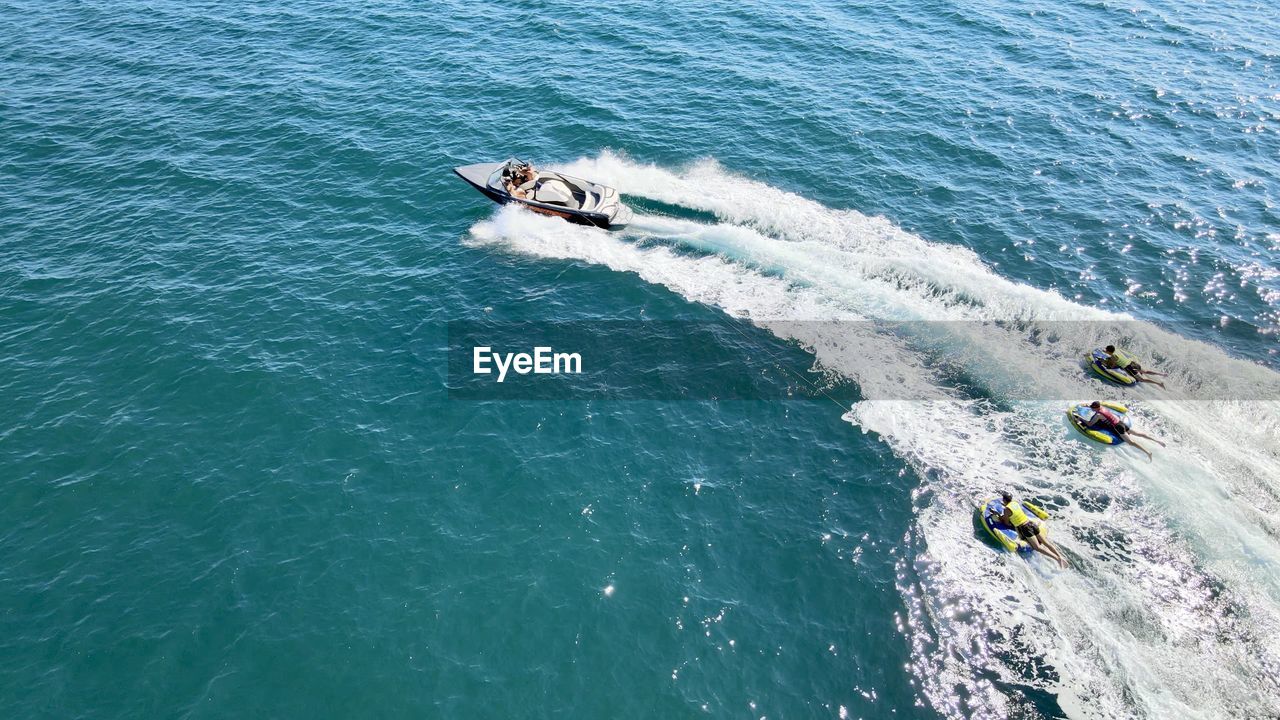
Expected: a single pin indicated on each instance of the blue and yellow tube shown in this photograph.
(1095, 361)
(1005, 536)
(1081, 413)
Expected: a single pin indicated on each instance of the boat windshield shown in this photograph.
(499, 177)
(496, 179)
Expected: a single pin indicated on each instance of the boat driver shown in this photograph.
(522, 180)
(1028, 529)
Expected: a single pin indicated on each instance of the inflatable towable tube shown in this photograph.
(1081, 414)
(1007, 537)
(1116, 375)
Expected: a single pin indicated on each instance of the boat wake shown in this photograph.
(1165, 614)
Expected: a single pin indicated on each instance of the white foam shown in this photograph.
(1177, 582)
(881, 365)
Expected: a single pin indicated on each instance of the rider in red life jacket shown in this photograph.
(1111, 418)
(1104, 419)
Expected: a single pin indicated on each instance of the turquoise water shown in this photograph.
(234, 484)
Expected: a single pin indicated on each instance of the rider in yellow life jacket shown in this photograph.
(1119, 360)
(1029, 530)
(1017, 517)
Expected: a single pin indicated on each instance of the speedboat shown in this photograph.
(548, 193)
